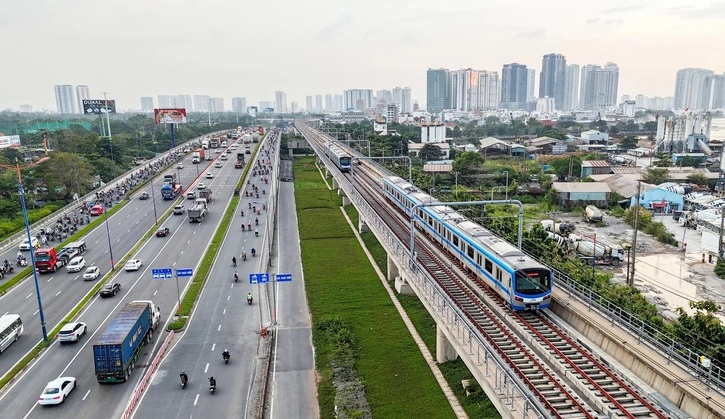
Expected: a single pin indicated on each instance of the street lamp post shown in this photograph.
(153, 200)
(21, 192)
(110, 140)
(108, 233)
(507, 183)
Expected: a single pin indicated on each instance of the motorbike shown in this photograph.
(234, 262)
(249, 300)
(236, 277)
(256, 221)
(249, 226)
(212, 386)
(226, 358)
(256, 233)
(183, 379)
(244, 255)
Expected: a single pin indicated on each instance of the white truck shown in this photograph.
(593, 214)
(604, 254)
(197, 210)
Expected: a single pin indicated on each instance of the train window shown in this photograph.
(498, 274)
(489, 266)
(478, 259)
(470, 252)
(455, 241)
(533, 281)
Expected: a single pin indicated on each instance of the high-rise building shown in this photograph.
(308, 104)
(65, 99)
(513, 86)
(165, 101)
(692, 88)
(599, 86)
(147, 103)
(472, 90)
(553, 78)
(318, 103)
(82, 93)
(338, 103)
(530, 85)
(391, 113)
(385, 96)
(401, 97)
(217, 104)
(280, 99)
(717, 95)
(571, 90)
(294, 107)
(438, 85)
(184, 101)
(328, 102)
(26, 108)
(239, 104)
(358, 99)
(265, 105)
(202, 103)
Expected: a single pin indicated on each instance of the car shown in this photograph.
(76, 264)
(191, 195)
(26, 246)
(248, 152)
(91, 273)
(201, 185)
(162, 232)
(72, 332)
(96, 210)
(233, 146)
(110, 289)
(133, 265)
(144, 196)
(218, 164)
(180, 166)
(209, 175)
(209, 158)
(224, 157)
(57, 390)
(217, 151)
(179, 209)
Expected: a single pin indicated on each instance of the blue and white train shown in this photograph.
(338, 156)
(519, 279)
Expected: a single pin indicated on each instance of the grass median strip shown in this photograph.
(354, 320)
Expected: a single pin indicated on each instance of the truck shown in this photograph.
(170, 178)
(593, 214)
(214, 143)
(240, 161)
(562, 229)
(205, 144)
(204, 193)
(170, 191)
(197, 210)
(198, 156)
(247, 138)
(604, 254)
(121, 344)
(46, 260)
(72, 250)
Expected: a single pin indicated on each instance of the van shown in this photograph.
(76, 264)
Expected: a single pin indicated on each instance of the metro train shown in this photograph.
(338, 156)
(519, 279)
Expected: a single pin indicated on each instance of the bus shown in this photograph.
(11, 327)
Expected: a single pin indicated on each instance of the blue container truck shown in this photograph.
(118, 348)
(170, 191)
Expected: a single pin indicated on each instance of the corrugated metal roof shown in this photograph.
(583, 187)
(595, 163)
(440, 168)
(490, 141)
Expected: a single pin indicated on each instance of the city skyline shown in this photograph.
(147, 54)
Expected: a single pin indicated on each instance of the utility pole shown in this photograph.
(630, 279)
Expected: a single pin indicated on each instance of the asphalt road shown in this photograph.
(222, 320)
(182, 249)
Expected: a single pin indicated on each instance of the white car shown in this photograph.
(76, 264)
(180, 166)
(91, 273)
(57, 390)
(201, 185)
(218, 164)
(25, 246)
(133, 265)
(209, 175)
(224, 157)
(72, 332)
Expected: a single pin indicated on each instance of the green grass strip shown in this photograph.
(341, 284)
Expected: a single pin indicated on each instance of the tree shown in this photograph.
(66, 172)
(561, 166)
(430, 152)
(650, 126)
(468, 163)
(629, 142)
(698, 179)
(656, 175)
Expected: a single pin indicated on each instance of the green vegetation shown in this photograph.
(348, 304)
(646, 223)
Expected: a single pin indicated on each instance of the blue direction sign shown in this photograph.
(162, 273)
(184, 272)
(284, 277)
(259, 278)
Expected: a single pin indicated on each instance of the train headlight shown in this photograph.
(547, 296)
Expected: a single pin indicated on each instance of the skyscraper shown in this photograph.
(599, 86)
(717, 96)
(471, 90)
(358, 99)
(552, 82)
(692, 88)
(530, 85)
(437, 94)
(184, 101)
(82, 92)
(338, 103)
(514, 81)
(217, 104)
(147, 103)
(328, 102)
(571, 88)
(239, 104)
(280, 99)
(401, 97)
(202, 103)
(65, 98)
(308, 104)
(318, 103)
(294, 107)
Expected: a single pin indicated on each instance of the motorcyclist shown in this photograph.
(256, 221)
(234, 260)
(250, 205)
(249, 226)
(225, 354)
(212, 382)
(254, 252)
(243, 228)
(184, 378)
(236, 276)
(242, 213)
(244, 255)
(256, 233)
(249, 298)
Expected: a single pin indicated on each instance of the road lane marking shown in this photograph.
(155, 292)
(206, 368)
(228, 297)
(224, 312)
(196, 399)
(29, 295)
(36, 312)
(213, 346)
(86, 395)
(219, 328)
(51, 278)
(58, 293)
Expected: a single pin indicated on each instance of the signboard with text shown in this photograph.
(9, 141)
(170, 115)
(99, 106)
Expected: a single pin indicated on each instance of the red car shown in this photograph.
(162, 232)
(96, 210)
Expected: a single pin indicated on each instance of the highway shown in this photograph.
(183, 248)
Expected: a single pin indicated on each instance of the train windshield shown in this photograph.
(345, 161)
(533, 281)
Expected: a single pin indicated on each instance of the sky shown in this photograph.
(230, 48)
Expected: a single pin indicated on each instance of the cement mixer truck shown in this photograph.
(604, 254)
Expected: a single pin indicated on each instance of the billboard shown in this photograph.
(9, 141)
(98, 106)
(170, 116)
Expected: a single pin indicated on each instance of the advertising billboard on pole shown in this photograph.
(98, 106)
(170, 116)
(9, 141)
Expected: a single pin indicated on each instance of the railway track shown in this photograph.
(563, 374)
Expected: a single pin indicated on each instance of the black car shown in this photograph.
(110, 290)
(144, 196)
(162, 232)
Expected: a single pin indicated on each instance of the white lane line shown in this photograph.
(50, 279)
(219, 328)
(29, 295)
(213, 346)
(35, 312)
(196, 399)
(206, 368)
(228, 297)
(87, 393)
(58, 293)
(155, 292)
(224, 312)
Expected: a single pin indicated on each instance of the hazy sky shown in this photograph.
(229, 48)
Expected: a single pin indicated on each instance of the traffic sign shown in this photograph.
(184, 272)
(259, 278)
(162, 273)
(284, 277)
